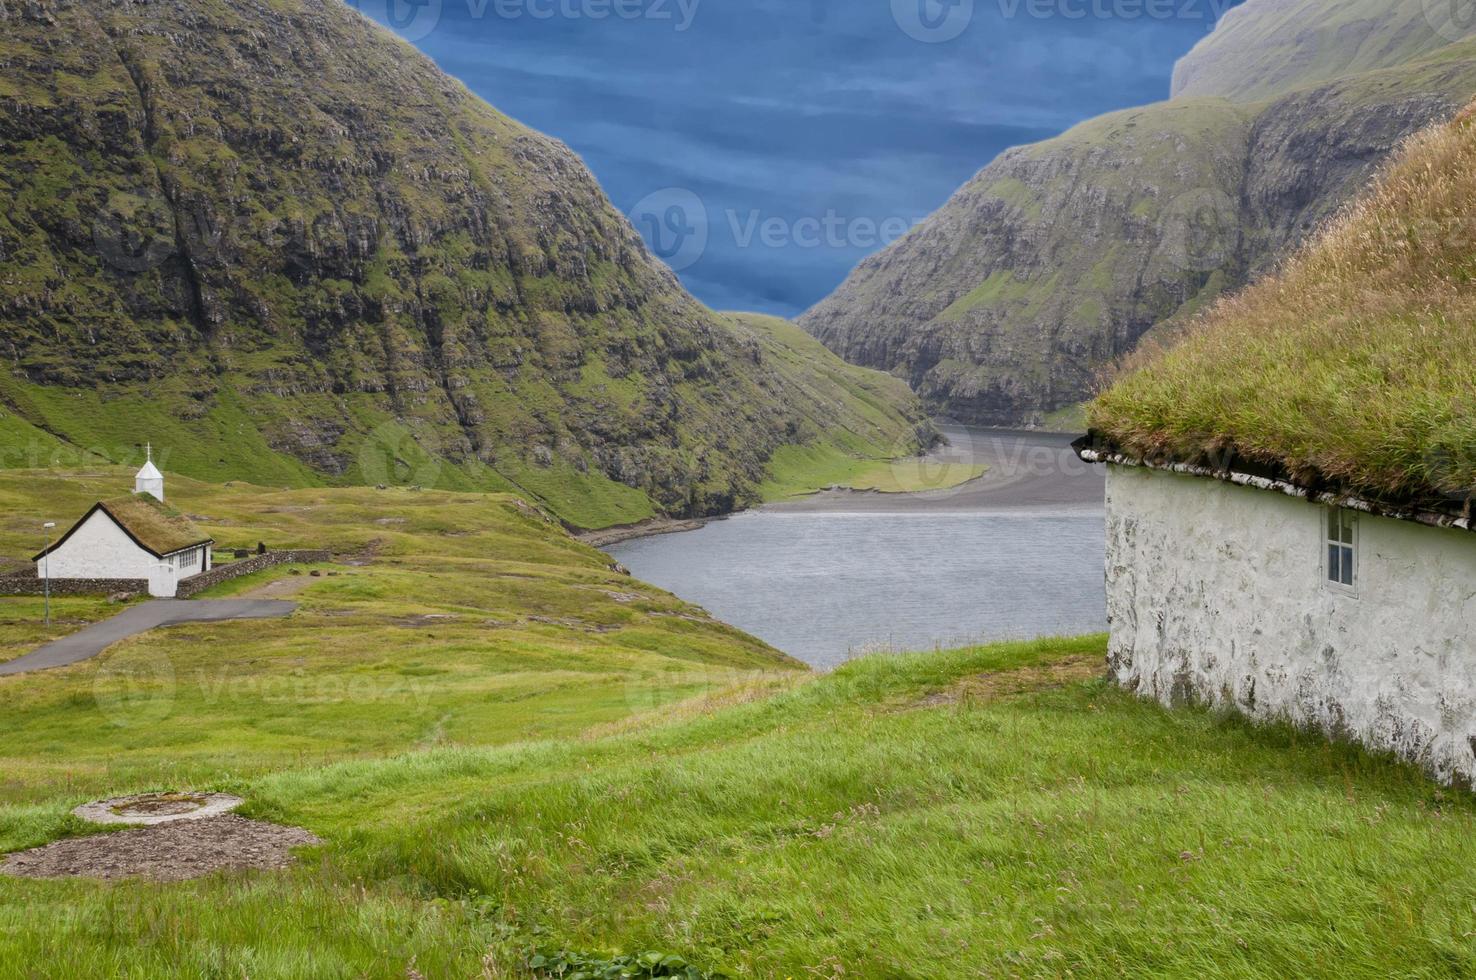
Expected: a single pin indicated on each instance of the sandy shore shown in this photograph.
(605, 537)
(1024, 470)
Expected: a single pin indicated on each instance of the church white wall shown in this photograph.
(1216, 593)
(99, 549)
(153, 486)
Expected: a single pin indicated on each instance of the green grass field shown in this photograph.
(508, 747)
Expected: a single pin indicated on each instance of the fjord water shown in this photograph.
(1018, 553)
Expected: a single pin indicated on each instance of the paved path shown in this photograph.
(91, 641)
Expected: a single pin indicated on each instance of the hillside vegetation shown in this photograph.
(1057, 258)
(849, 450)
(1351, 364)
(281, 244)
(995, 811)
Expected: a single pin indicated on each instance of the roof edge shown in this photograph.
(1095, 448)
(102, 506)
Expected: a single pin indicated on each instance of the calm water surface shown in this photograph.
(839, 575)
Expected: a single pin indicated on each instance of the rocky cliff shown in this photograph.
(1057, 258)
(281, 244)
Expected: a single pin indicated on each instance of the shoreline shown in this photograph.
(649, 528)
(1023, 471)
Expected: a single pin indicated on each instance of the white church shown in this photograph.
(134, 537)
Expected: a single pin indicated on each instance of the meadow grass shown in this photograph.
(453, 619)
(1352, 363)
(23, 620)
(897, 818)
(507, 746)
(795, 471)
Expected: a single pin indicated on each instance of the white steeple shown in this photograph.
(149, 479)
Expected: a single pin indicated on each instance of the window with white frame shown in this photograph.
(1342, 548)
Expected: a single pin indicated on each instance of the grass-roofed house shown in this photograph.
(1289, 495)
(136, 537)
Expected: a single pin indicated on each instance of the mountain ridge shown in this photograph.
(1058, 257)
(281, 240)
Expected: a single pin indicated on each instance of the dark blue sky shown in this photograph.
(765, 146)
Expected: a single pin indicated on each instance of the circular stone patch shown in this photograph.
(155, 808)
(175, 851)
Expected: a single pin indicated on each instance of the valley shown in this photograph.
(538, 759)
(579, 631)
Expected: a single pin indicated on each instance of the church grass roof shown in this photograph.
(157, 529)
(1353, 367)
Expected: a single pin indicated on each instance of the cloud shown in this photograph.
(796, 108)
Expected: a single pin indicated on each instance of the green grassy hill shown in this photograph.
(280, 244)
(619, 774)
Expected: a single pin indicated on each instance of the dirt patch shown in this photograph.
(1004, 683)
(367, 554)
(166, 852)
(281, 588)
(427, 620)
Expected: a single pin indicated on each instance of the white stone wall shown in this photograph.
(99, 549)
(1216, 593)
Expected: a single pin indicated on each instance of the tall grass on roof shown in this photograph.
(156, 526)
(1355, 363)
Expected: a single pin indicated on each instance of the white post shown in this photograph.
(46, 567)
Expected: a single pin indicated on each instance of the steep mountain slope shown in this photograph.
(1057, 258)
(1266, 47)
(284, 246)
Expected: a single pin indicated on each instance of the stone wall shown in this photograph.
(1216, 593)
(29, 584)
(224, 573)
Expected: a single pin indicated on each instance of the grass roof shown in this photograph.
(1354, 365)
(158, 528)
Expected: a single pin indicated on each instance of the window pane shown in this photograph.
(1347, 566)
(1333, 573)
(1347, 528)
(1332, 524)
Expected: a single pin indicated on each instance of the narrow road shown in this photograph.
(89, 642)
